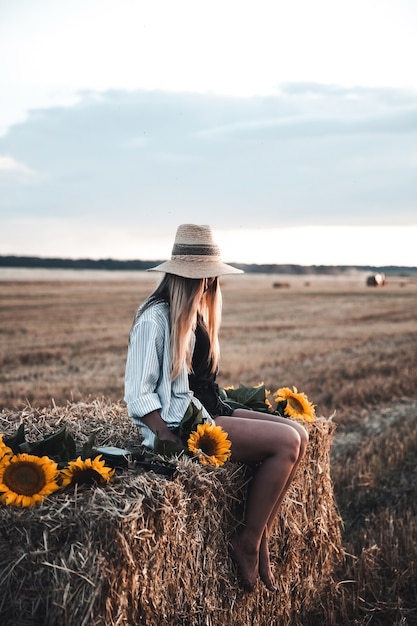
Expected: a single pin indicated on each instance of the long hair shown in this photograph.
(188, 297)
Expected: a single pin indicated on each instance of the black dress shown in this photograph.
(202, 380)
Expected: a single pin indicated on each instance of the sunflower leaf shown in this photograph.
(189, 422)
(69, 451)
(15, 441)
(88, 448)
(280, 408)
(222, 394)
(166, 447)
(59, 446)
(247, 397)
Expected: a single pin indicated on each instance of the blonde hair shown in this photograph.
(187, 298)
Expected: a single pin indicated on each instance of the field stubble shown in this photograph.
(348, 347)
(352, 349)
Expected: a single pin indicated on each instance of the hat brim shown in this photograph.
(196, 267)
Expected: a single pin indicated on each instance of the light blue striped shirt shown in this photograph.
(148, 383)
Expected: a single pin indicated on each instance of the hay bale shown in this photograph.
(147, 549)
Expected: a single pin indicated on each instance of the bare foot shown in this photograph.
(247, 561)
(265, 566)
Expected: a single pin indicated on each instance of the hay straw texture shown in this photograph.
(147, 549)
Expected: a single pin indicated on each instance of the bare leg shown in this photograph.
(276, 446)
(265, 572)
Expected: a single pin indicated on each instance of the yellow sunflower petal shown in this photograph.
(4, 450)
(298, 405)
(26, 479)
(86, 471)
(210, 444)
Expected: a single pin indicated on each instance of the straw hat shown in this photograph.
(195, 255)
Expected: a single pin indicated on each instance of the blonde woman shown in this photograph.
(172, 361)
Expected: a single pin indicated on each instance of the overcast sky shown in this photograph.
(290, 127)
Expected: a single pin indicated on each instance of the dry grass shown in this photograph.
(150, 550)
(63, 340)
(350, 348)
(376, 488)
(347, 346)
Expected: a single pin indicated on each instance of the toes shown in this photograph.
(269, 583)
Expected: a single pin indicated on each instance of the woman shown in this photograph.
(173, 360)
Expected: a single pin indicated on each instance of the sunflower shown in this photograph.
(86, 471)
(26, 479)
(4, 449)
(210, 444)
(298, 405)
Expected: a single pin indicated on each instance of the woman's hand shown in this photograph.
(166, 441)
(169, 435)
(168, 444)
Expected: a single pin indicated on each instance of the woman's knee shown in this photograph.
(304, 437)
(303, 434)
(290, 445)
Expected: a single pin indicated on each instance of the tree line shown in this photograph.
(135, 264)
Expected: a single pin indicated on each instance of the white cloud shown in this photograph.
(12, 169)
(122, 170)
(51, 50)
(175, 157)
(134, 115)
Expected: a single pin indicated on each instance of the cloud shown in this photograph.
(314, 110)
(11, 169)
(295, 127)
(310, 154)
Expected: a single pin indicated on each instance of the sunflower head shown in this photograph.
(297, 404)
(26, 479)
(86, 471)
(210, 444)
(4, 450)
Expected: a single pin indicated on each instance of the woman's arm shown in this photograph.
(157, 425)
(143, 367)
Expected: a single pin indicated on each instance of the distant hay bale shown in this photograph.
(151, 550)
(281, 285)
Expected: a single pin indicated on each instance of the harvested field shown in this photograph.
(348, 346)
(352, 349)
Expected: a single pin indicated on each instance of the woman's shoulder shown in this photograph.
(153, 312)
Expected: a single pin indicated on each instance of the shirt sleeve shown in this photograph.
(143, 368)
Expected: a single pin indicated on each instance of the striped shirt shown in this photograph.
(148, 383)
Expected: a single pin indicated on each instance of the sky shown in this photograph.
(289, 127)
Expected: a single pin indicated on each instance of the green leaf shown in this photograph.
(15, 441)
(280, 408)
(236, 405)
(69, 451)
(59, 446)
(192, 418)
(247, 397)
(88, 448)
(166, 447)
(222, 394)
